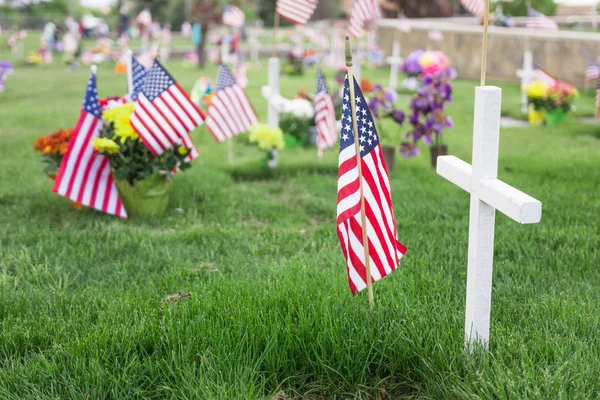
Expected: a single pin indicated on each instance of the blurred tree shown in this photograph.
(158, 8)
(519, 7)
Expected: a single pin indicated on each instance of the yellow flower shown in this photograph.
(182, 150)
(105, 145)
(123, 128)
(266, 137)
(537, 90)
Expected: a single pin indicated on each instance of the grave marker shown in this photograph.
(488, 194)
(526, 74)
(395, 62)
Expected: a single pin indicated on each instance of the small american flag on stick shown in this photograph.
(230, 112)
(138, 77)
(537, 20)
(296, 11)
(324, 115)
(598, 98)
(592, 71)
(233, 16)
(475, 7)
(84, 175)
(364, 14)
(370, 195)
(164, 115)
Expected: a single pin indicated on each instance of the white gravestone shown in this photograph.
(526, 74)
(488, 194)
(395, 62)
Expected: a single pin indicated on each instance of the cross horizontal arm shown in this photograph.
(510, 201)
(455, 170)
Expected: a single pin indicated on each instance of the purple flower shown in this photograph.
(398, 116)
(408, 150)
(412, 65)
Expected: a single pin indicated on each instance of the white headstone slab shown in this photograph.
(488, 194)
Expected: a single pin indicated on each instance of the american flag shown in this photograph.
(592, 71)
(542, 76)
(385, 251)
(164, 115)
(138, 73)
(537, 20)
(6, 68)
(598, 97)
(233, 16)
(84, 175)
(324, 114)
(230, 112)
(296, 11)
(475, 7)
(364, 14)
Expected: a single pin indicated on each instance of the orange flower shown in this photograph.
(366, 86)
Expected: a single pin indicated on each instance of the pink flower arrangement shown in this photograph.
(433, 62)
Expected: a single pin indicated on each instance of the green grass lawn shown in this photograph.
(81, 310)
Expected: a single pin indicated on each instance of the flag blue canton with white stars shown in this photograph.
(158, 80)
(225, 78)
(321, 83)
(90, 102)
(139, 73)
(367, 134)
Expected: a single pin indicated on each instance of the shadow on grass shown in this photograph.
(259, 172)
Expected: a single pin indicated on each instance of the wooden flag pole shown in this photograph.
(275, 31)
(486, 22)
(363, 216)
(129, 71)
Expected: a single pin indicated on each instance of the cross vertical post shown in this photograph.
(395, 61)
(526, 75)
(486, 136)
(273, 112)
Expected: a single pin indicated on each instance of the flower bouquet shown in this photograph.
(268, 139)
(142, 179)
(53, 148)
(428, 118)
(422, 63)
(382, 105)
(294, 65)
(549, 103)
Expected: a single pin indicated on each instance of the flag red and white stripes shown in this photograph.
(324, 115)
(537, 20)
(84, 175)
(385, 251)
(542, 76)
(233, 16)
(592, 70)
(296, 11)
(363, 17)
(230, 112)
(164, 115)
(598, 97)
(475, 7)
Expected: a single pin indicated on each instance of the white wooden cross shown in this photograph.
(395, 62)
(488, 194)
(273, 91)
(526, 74)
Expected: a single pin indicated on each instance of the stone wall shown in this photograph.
(563, 54)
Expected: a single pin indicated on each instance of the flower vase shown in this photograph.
(389, 155)
(147, 198)
(536, 117)
(74, 204)
(436, 151)
(272, 158)
(555, 117)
